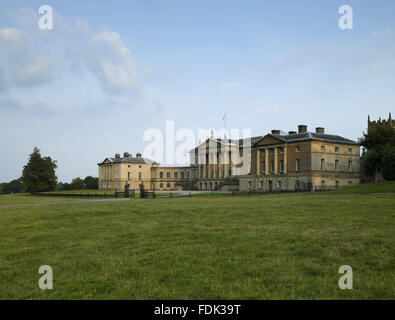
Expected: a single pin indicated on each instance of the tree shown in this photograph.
(379, 152)
(15, 186)
(77, 184)
(91, 182)
(39, 173)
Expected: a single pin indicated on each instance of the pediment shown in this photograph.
(268, 140)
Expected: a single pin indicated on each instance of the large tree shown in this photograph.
(39, 173)
(379, 152)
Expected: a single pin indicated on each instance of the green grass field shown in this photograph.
(286, 246)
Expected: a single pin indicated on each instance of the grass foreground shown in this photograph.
(286, 246)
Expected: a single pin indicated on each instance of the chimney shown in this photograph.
(319, 130)
(138, 155)
(126, 154)
(275, 131)
(302, 128)
(117, 155)
(292, 132)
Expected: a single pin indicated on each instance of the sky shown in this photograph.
(109, 71)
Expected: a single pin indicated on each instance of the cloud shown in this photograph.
(23, 62)
(105, 55)
(227, 85)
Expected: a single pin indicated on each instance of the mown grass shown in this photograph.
(25, 198)
(374, 187)
(287, 246)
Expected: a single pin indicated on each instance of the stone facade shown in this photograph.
(277, 161)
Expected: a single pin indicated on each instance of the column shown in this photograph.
(267, 161)
(276, 160)
(285, 159)
(258, 161)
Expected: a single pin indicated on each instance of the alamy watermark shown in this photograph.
(46, 281)
(346, 20)
(345, 281)
(220, 146)
(45, 22)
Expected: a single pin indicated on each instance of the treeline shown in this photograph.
(16, 186)
(39, 175)
(78, 184)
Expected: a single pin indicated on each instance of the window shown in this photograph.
(182, 175)
(249, 184)
(168, 185)
(187, 175)
(322, 148)
(272, 166)
(128, 165)
(349, 150)
(336, 165)
(161, 175)
(264, 166)
(140, 175)
(261, 184)
(279, 184)
(297, 164)
(322, 184)
(129, 175)
(336, 149)
(322, 164)
(337, 184)
(161, 185)
(281, 165)
(297, 148)
(349, 165)
(281, 149)
(272, 151)
(140, 166)
(168, 175)
(175, 175)
(350, 183)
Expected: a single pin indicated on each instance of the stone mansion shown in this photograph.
(276, 161)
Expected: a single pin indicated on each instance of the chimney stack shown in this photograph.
(319, 130)
(275, 131)
(302, 128)
(126, 154)
(117, 155)
(138, 155)
(292, 132)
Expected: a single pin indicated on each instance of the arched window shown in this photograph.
(168, 185)
(161, 185)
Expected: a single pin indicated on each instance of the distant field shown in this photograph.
(285, 246)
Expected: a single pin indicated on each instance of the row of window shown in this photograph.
(279, 184)
(298, 165)
(336, 165)
(168, 185)
(336, 149)
(297, 148)
(175, 175)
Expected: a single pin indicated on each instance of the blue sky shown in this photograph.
(110, 70)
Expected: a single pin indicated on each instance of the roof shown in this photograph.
(129, 160)
(313, 136)
(296, 137)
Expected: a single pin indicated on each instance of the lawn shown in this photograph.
(286, 246)
(25, 198)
